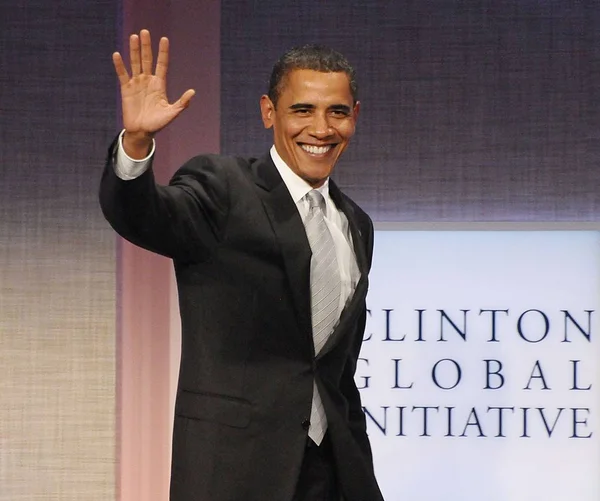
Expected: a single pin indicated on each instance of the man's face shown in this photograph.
(313, 122)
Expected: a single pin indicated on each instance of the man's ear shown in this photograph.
(267, 111)
(356, 109)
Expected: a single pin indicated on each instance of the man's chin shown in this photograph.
(317, 179)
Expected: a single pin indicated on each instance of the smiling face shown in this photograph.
(313, 121)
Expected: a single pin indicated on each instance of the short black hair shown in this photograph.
(309, 57)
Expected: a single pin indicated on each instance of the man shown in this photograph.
(271, 260)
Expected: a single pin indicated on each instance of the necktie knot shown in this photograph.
(315, 200)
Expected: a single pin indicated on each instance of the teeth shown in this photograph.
(316, 150)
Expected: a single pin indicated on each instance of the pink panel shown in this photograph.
(148, 348)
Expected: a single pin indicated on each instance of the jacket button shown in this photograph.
(306, 424)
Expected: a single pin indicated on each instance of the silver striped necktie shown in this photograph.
(325, 290)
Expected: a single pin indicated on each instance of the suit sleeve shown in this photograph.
(185, 220)
(356, 415)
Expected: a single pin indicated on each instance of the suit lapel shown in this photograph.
(289, 230)
(358, 239)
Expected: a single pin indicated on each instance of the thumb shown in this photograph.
(184, 101)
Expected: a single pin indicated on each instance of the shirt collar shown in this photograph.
(297, 186)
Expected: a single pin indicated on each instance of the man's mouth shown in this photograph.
(317, 150)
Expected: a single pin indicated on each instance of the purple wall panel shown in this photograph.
(471, 111)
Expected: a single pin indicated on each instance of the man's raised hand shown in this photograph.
(146, 109)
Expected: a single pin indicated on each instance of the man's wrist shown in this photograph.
(128, 168)
(137, 146)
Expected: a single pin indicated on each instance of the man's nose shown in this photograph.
(320, 126)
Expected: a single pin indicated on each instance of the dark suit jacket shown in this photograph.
(242, 264)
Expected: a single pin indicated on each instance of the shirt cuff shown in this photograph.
(128, 168)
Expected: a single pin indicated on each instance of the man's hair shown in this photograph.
(309, 57)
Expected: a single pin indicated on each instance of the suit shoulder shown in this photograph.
(213, 168)
(213, 161)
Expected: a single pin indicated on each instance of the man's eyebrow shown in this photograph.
(340, 107)
(302, 106)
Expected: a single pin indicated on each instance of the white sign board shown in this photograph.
(479, 367)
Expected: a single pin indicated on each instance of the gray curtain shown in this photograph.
(57, 258)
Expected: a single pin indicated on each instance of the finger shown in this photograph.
(162, 61)
(134, 55)
(185, 98)
(120, 68)
(146, 52)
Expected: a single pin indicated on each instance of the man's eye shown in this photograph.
(339, 113)
(302, 111)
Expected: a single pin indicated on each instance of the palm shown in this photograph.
(145, 104)
(146, 108)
